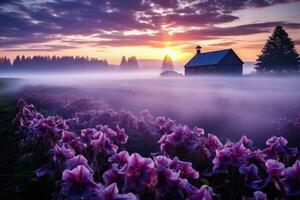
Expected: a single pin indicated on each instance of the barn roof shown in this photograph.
(208, 58)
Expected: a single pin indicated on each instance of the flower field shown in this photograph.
(95, 152)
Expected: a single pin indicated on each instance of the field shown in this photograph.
(112, 109)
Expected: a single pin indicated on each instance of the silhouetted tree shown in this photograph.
(123, 62)
(132, 63)
(70, 62)
(167, 64)
(17, 61)
(5, 62)
(278, 54)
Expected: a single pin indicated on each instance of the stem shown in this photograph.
(281, 188)
(97, 166)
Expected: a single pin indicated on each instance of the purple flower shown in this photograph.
(259, 156)
(111, 192)
(127, 119)
(162, 162)
(67, 136)
(121, 135)
(138, 173)
(111, 176)
(274, 168)
(258, 195)
(47, 169)
(77, 160)
(246, 142)
(204, 193)
(120, 158)
(291, 179)
(165, 125)
(240, 154)
(213, 142)
(89, 134)
(231, 154)
(185, 168)
(181, 138)
(78, 183)
(65, 151)
(164, 172)
(278, 146)
(72, 139)
(198, 131)
(276, 141)
(222, 159)
(250, 172)
(251, 177)
(103, 145)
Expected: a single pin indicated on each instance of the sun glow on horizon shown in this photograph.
(171, 53)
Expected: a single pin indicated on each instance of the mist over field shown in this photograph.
(226, 106)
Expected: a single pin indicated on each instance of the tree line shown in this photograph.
(51, 61)
(131, 63)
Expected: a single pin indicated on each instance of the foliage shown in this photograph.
(167, 64)
(23, 62)
(131, 63)
(278, 54)
(102, 154)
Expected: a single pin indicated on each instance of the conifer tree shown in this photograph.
(279, 54)
(167, 64)
(123, 62)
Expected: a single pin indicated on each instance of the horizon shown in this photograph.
(153, 28)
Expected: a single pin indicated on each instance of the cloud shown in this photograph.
(35, 21)
(46, 48)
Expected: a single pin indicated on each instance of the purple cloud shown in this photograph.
(42, 21)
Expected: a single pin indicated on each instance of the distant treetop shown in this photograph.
(167, 64)
(42, 62)
(131, 63)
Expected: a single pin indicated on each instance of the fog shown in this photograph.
(225, 106)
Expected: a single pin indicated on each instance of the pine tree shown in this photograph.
(132, 63)
(279, 54)
(123, 62)
(167, 64)
(17, 61)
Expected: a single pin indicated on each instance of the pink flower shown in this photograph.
(204, 193)
(76, 161)
(185, 168)
(111, 192)
(165, 173)
(258, 195)
(78, 183)
(104, 145)
(274, 168)
(138, 173)
(291, 179)
(65, 151)
(213, 142)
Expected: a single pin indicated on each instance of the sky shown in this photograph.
(147, 29)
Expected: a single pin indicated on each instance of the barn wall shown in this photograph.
(231, 69)
(231, 59)
(200, 70)
(234, 69)
(231, 64)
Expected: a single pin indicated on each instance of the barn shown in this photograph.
(222, 62)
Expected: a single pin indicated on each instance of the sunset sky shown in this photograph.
(147, 29)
